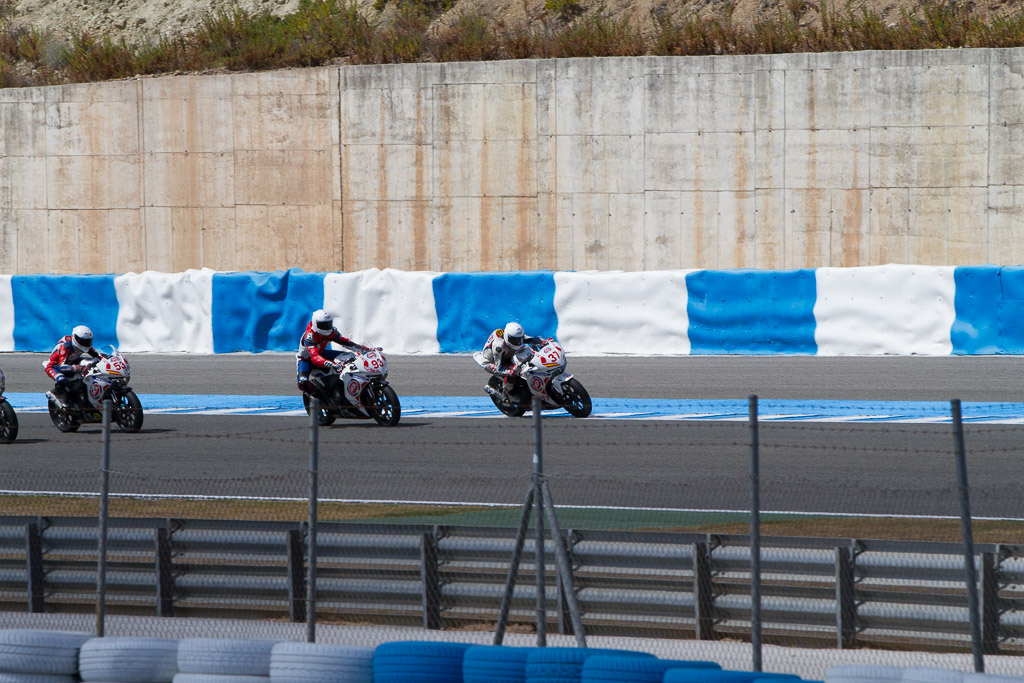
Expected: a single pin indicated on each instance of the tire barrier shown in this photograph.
(893, 309)
(864, 673)
(419, 661)
(225, 656)
(218, 678)
(35, 678)
(321, 663)
(565, 664)
(713, 676)
(40, 652)
(128, 660)
(495, 664)
(616, 668)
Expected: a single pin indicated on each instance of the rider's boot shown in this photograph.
(57, 398)
(492, 391)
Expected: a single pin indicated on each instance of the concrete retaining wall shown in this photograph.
(781, 161)
(896, 309)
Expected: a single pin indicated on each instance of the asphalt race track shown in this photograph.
(865, 468)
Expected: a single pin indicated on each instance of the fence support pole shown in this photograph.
(430, 579)
(164, 573)
(101, 569)
(513, 568)
(296, 577)
(703, 597)
(34, 567)
(965, 531)
(314, 467)
(538, 523)
(564, 566)
(755, 538)
(846, 606)
(990, 603)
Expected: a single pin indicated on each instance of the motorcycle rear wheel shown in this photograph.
(8, 423)
(128, 412)
(61, 420)
(506, 407)
(385, 407)
(575, 399)
(326, 418)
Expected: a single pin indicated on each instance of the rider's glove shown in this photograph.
(378, 348)
(330, 365)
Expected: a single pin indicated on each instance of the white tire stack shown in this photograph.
(224, 660)
(28, 656)
(321, 663)
(128, 660)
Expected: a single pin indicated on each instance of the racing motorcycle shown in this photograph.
(543, 375)
(359, 391)
(8, 418)
(104, 378)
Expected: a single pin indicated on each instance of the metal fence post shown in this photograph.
(430, 580)
(34, 567)
(703, 597)
(101, 569)
(965, 530)
(846, 607)
(755, 538)
(296, 576)
(538, 524)
(990, 603)
(513, 567)
(164, 573)
(314, 467)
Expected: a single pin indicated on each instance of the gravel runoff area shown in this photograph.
(810, 664)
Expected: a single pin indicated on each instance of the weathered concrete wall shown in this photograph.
(782, 161)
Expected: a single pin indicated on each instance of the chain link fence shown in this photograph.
(734, 540)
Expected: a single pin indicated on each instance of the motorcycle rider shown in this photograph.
(315, 351)
(63, 365)
(506, 349)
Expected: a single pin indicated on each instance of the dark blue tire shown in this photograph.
(415, 661)
(565, 664)
(495, 664)
(615, 668)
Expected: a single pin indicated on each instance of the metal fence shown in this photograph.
(828, 592)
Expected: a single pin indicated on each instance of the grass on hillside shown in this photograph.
(334, 31)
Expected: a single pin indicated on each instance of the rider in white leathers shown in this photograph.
(506, 349)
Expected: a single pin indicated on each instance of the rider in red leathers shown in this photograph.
(315, 352)
(62, 366)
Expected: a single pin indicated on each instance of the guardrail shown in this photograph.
(815, 591)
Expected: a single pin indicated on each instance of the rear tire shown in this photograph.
(507, 408)
(326, 418)
(385, 408)
(61, 420)
(128, 412)
(8, 423)
(575, 399)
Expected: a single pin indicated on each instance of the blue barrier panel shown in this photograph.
(263, 311)
(46, 307)
(989, 304)
(472, 305)
(751, 311)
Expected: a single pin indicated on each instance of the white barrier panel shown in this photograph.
(894, 309)
(165, 311)
(6, 314)
(631, 313)
(389, 308)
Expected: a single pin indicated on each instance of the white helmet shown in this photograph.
(323, 322)
(81, 337)
(514, 335)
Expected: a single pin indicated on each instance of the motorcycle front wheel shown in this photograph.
(8, 423)
(506, 407)
(326, 418)
(128, 412)
(575, 399)
(61, 420)
(384, 407)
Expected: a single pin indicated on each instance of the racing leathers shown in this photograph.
(500, 359)
(62, 366)
(315, 352)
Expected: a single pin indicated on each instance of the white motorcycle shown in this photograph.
(103, 378)
(360, 391)
(8, 418)
(543, 375)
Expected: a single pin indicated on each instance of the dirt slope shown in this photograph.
(140, 20)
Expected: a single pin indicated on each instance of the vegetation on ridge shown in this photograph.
(325, 32)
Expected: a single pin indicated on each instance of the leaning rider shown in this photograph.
(315, 351)
(63, 366)
(506, 349)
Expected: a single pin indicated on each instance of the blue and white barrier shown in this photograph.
(893, 309)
